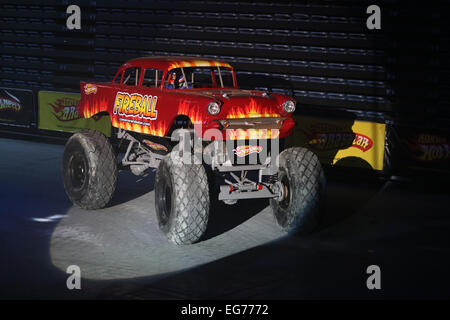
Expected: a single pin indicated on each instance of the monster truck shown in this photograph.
(207, 139)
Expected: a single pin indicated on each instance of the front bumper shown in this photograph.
(247, 128)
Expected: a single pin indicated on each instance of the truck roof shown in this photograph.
(171, 62)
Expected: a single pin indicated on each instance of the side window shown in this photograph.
(118, 78)
(175, 79)
(152, 78)
(131, 76)
(224, 77)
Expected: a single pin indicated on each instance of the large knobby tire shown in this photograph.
(303, 182)
(89, 170)
(182, 200)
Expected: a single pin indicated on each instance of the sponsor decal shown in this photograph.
(10, 102)
(329, 137)
(59, 111)
(65, 109)
(341, 142)
(90, 88)
(136, 106)
(243, 151)
(154, 146)
(362, 142)
(429, 147)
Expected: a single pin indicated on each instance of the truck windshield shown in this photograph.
(199, 77)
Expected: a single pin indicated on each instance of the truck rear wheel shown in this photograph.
(302, 181)
(89, 169)
(182, 200)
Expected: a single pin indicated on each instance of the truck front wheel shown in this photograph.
(302, 182)
(89, 169)
(182, 200)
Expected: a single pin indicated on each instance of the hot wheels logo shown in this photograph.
(90, 88)
(10, 102)
(136, 105)
(154, 146)
(430, 147)
(7, 104)
(243, 151)
(434, 152)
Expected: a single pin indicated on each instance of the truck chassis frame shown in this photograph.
(139, 158)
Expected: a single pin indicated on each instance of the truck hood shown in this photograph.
(219, 94)
(237, 103)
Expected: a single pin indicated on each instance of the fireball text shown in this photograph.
(136, 105)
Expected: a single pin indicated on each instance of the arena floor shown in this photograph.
(401, 226)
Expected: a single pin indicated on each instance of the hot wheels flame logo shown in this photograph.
(11, 102)
(154, 146)
(65, 109)
(243, 151)
(136, 106)
(90, 88)
(434, 152)
(429, 147)
(8, 104)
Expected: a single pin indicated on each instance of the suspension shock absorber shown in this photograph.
(271, 179)
(273, 184)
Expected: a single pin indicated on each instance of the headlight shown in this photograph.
(213, 108)
(289, 106)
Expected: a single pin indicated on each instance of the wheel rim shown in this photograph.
(165, 202)
(286, 200)
(78, 171)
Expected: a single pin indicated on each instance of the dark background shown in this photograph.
(319, 51)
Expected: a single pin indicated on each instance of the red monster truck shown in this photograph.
(187, 118)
